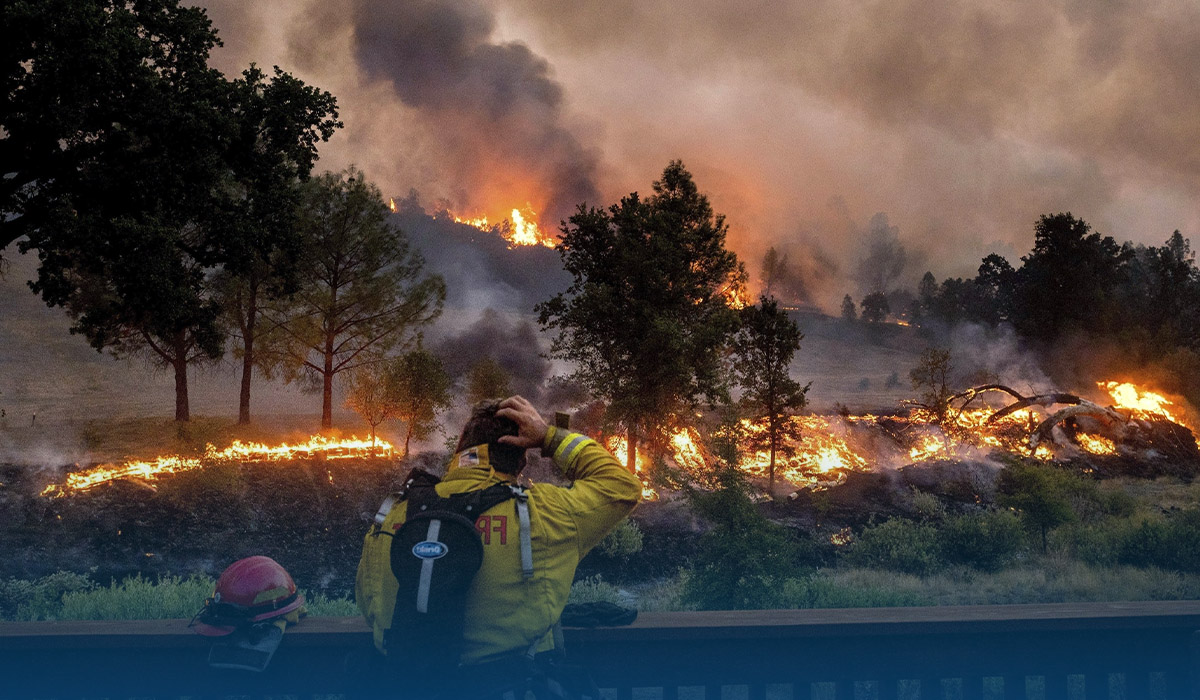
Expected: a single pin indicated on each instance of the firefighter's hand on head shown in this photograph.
(531, 429)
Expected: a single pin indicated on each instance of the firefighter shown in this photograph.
(518, 594)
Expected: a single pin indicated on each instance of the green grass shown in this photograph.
(67, 596)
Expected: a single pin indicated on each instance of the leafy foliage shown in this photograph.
(931, 376)
(645, 318)
(987, 540)
(135, 170)
(421, 389)
(362, 289)
(1040, 494)
(897, 544)
(875, 307)
(763, 347)
(745, 560)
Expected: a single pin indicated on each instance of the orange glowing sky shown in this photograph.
(962, 120)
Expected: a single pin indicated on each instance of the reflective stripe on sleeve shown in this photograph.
(568, 448)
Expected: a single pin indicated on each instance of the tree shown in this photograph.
(645, 319)
(121, 151)
(412, 388)
(775, 271)
(931, 377)
(369, 395)
(487, 380)
(422, 389)
(114, 155)
(1040, 494)
(362, 289)
(849, 311)
(1069, 281)
(875, 307)
(280, 122)
(763, 347)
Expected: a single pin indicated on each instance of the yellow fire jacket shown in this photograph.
(506, 612)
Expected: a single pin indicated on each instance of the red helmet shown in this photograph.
(249, 590)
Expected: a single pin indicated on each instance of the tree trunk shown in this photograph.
(327, 386)
(771, 468)
(179, 362)
(631, 436)
(248, 356)
(407, 437)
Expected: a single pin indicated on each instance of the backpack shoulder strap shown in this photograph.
(417, 479)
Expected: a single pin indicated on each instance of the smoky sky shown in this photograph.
(962, 121)
(513, 342)
(499, 104)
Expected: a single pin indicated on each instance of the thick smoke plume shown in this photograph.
(513, 342)
(497, 105)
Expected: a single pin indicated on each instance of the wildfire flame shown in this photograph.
(392, 204)
(619, 447)
(1141, 402)
(520, 229)
(317, 447)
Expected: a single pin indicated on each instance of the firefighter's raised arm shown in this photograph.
(531, 429)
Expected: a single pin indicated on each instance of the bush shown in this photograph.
(40, 599)
(1171, 543)
(744, 561)
(594, 589)
(985, 541)
(625, 540)
(898, 545)
(138, 598)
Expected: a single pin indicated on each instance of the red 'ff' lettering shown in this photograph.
(487, 524)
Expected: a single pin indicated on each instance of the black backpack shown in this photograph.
(435, 555)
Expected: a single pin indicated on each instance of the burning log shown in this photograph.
(1038, 400)
(1107, 422)
(974, 392)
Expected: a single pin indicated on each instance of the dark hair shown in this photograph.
(485, 427)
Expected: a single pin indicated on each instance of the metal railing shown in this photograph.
(1114, 651)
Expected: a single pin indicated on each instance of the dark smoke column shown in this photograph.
(497, 106)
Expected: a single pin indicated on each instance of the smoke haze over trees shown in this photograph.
(959, 152)
(1088, 304)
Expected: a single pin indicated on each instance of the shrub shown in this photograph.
(745, 559)
(898, 545)
(1171, 543)
(593, 589)
(985, 541)
(1042, 495)
(1099, 543)
(625, 540)
(40, 599)
(138, 598)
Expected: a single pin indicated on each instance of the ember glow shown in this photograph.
(316, 447)
(519, 229)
